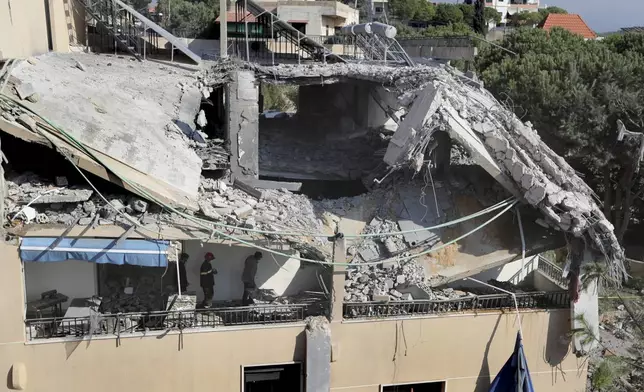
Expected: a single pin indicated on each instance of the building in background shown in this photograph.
(313, 18)
(507, 8)
(571, 22)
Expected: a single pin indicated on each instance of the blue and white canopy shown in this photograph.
(145, 253)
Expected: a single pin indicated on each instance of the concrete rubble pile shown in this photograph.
(534, 172)
(31, 199)
(498, 140)
(438, 98)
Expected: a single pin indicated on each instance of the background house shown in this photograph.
(571, 22)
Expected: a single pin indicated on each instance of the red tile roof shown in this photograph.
(571, 22)
(232, 16)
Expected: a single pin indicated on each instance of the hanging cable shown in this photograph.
(197, 220)
(200, 223)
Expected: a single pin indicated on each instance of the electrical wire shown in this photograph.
(197, 220)
(135, 186)
(244, 242)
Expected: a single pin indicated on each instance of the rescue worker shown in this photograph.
(207, 280)
(248, 277)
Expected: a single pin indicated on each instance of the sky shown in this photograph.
(601, 15)
(604, 15)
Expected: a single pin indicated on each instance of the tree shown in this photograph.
(448, 14)
(576, 93)
(479, 24)
(526, 19)
(491, 15)
(404, 10)
(468, 12)
(544, 12)
(138, 5)
(189, 18)
(425, 11)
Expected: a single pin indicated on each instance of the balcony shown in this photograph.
(124, 324)
(525, 301)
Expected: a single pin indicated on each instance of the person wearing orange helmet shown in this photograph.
(207, 279)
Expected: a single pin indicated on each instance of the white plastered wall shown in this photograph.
(287, 276)
(75, 279)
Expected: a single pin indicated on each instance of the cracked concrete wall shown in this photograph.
(341, 107)
(243, 123)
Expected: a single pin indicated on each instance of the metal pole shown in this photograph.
(172, 54)
(145, 32)
(246, 30)
(223, 30)
(514, 297)
(114, 26)
(522, 245)
(274, 42)
(176, 253)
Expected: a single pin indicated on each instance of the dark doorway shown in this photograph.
(273, 378)
(50, 40)
(299, 26)
(422, 387)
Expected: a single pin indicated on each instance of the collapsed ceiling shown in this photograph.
(427, 101)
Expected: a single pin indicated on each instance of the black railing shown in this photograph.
(124, 323)
(532, 300)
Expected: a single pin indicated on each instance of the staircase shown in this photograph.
(280, 31)
(128, 27)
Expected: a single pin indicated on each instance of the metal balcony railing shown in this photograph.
(552, 271)
(532, 300)
(127, 323)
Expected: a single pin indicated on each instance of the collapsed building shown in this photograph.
(371, 149)
(383, 192)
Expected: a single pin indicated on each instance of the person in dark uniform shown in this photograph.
(207, 280)
(183, 277)
(248, 277)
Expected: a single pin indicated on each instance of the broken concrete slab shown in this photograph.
(146, 104)
(61, 196)
(25, 90)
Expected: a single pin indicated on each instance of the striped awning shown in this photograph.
(146, 253)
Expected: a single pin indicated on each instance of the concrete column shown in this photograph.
(318, 355)
(339, 275)
(243, 124)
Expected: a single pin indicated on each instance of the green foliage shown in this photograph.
(190, 18)
(491, 15)
(544, 12)
(453, 30)
(138, 5)
(555, 10)
(526, 19)
(425, 12)
(403, 9)
(574, 91)
(279, 97)
(605, 375)
(406, 10)
(448, 14)
(624, 43)
(468, 13)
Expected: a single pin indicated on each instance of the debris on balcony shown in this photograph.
(370, 150)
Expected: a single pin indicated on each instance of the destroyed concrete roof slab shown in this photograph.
(119, 108)
(508, 149)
